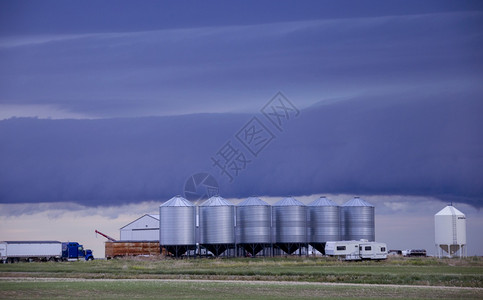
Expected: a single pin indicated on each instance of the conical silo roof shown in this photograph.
(253, 201)
(357, 202)
(449, 211)
(177, 201)
(216, 201)
(323, 201)
(289, 201)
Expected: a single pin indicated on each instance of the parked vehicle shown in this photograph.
(74, 251)
(15, 251)
(394, 252)
(356, 250)
(414, 252)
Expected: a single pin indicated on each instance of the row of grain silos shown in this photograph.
(253, 225)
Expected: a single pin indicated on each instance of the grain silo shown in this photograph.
(253, 223)
(450, 232)
(323, 220)
(289, 219)
(357, 220)
(177, 226)
(217, 225)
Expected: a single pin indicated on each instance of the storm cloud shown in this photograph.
(426, 145)
(144, 95)
(232, 68)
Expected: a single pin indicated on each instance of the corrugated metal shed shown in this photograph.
(144, 228)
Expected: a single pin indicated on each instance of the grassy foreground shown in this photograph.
(24, 280)
(413, 271)
(120, 289)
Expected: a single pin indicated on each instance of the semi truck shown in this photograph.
(15, 251)
(356, 250)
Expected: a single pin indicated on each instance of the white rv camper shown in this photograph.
(356, 250)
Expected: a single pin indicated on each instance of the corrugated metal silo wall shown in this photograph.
(290, 224)
(177, 225)
(323, 224)
(253, 224)
(217, 224)
(357, 222)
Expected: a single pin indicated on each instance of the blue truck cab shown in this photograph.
(72, 250)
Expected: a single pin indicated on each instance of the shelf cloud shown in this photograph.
(378, 145)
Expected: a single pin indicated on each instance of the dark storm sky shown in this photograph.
(141, 95)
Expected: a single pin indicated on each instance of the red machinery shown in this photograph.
(106, 236)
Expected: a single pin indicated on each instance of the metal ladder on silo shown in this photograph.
(455, 238)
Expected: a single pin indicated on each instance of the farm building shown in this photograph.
(145, 228)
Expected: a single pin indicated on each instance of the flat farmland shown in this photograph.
(238, 278)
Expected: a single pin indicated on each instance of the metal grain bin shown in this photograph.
(217, 225)
(323, 220)
(253, 223)
(177, 225)
(357, 220)
(289, 224)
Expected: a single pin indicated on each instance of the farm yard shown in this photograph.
(237, 278)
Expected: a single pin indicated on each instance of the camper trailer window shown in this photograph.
(340, 248)
(383, 249)
(368, 248)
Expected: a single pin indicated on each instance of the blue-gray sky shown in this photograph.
(390, 97)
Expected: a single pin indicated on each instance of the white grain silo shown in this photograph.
(450, 232)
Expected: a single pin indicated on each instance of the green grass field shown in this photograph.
(189, 278)
(217, 290)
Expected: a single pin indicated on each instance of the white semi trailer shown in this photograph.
(15, 251)
(356, 250)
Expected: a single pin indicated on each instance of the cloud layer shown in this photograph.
(218, 69)
(378, 145)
